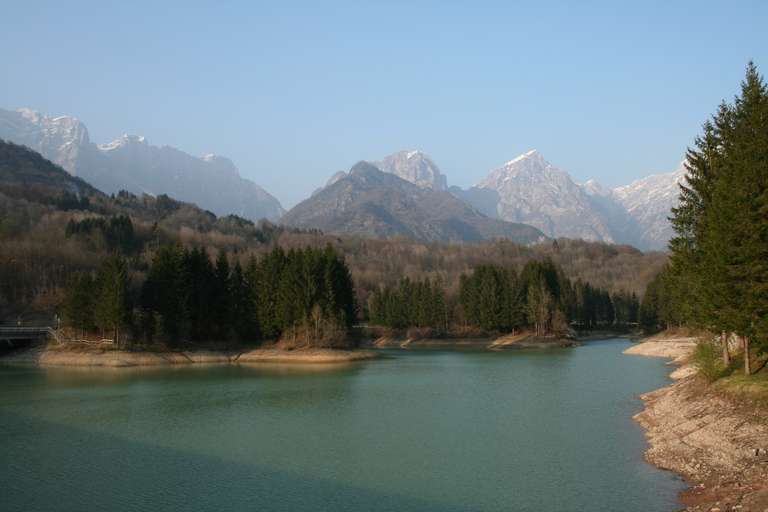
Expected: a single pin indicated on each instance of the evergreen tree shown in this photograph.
(165, 294)
(244, 321)
(222, 306)
(719, 253)
(112, 309)
(79, 303)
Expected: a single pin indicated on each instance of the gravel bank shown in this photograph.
(718, 445)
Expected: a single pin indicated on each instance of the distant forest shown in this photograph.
(498, 299)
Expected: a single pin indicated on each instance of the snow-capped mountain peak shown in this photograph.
(131, 163)
(531, 190)
(530, 168)
(414, 166)
(649, 201)
(62, 135)
(411, 154)
(593, 187)
(532, 154)
(123, 141)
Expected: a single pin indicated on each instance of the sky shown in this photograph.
(294, 91)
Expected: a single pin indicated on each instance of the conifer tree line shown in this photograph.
(717, 278)
(117, 231)
(99, 302)
(305, 296)
(419, 303)
(494, 298)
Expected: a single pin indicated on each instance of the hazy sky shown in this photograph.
(293, 92)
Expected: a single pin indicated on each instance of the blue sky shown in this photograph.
(295, 91)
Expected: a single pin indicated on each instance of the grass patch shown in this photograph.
(753, 388)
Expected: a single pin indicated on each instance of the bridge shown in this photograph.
(12, 335)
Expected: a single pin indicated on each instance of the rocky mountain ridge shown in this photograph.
(530, 190)
(131, 163)
(372, 203)
(527, 189)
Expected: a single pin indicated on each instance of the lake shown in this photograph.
(414, 431)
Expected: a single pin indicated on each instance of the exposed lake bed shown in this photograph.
(719, 444)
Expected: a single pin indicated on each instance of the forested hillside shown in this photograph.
(57, 235)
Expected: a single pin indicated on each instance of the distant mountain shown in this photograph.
(130, 163)
(526, 190)
(27, 178)
(369, 202)
(530, 190)
(649, 201)
(414, 166)
(623, 227)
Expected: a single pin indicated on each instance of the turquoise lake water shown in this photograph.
(414, 431)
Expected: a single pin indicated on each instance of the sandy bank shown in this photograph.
(304, 356)
(68, 356)
(718, 445)
(508, 342)
(527, 340)
(404, 342)
(676, 348)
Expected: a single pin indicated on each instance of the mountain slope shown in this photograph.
(27, 175)
(530, 190)
(35, 192)
(414, 166)
(649, 201)
(130, 163)
(623, 227)
(372, 203)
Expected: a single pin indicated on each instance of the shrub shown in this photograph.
(707, 360)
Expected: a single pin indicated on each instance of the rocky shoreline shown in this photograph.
(718, 445)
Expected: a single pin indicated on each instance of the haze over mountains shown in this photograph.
(369, 202)
(131, 163)
(649, 201)
(416, 167)
(419, 202)
(530, 190)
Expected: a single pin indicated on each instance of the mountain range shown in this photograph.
(131, 163)
(370, 202)
(404, 193)
(530, 190)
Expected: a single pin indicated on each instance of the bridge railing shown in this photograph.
(16, 333)
(25, 330)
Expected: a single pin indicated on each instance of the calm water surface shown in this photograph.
(418, 431)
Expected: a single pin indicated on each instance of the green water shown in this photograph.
(417, 431)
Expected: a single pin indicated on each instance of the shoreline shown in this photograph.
(719, 446)
(49, 356)
(520, 341)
